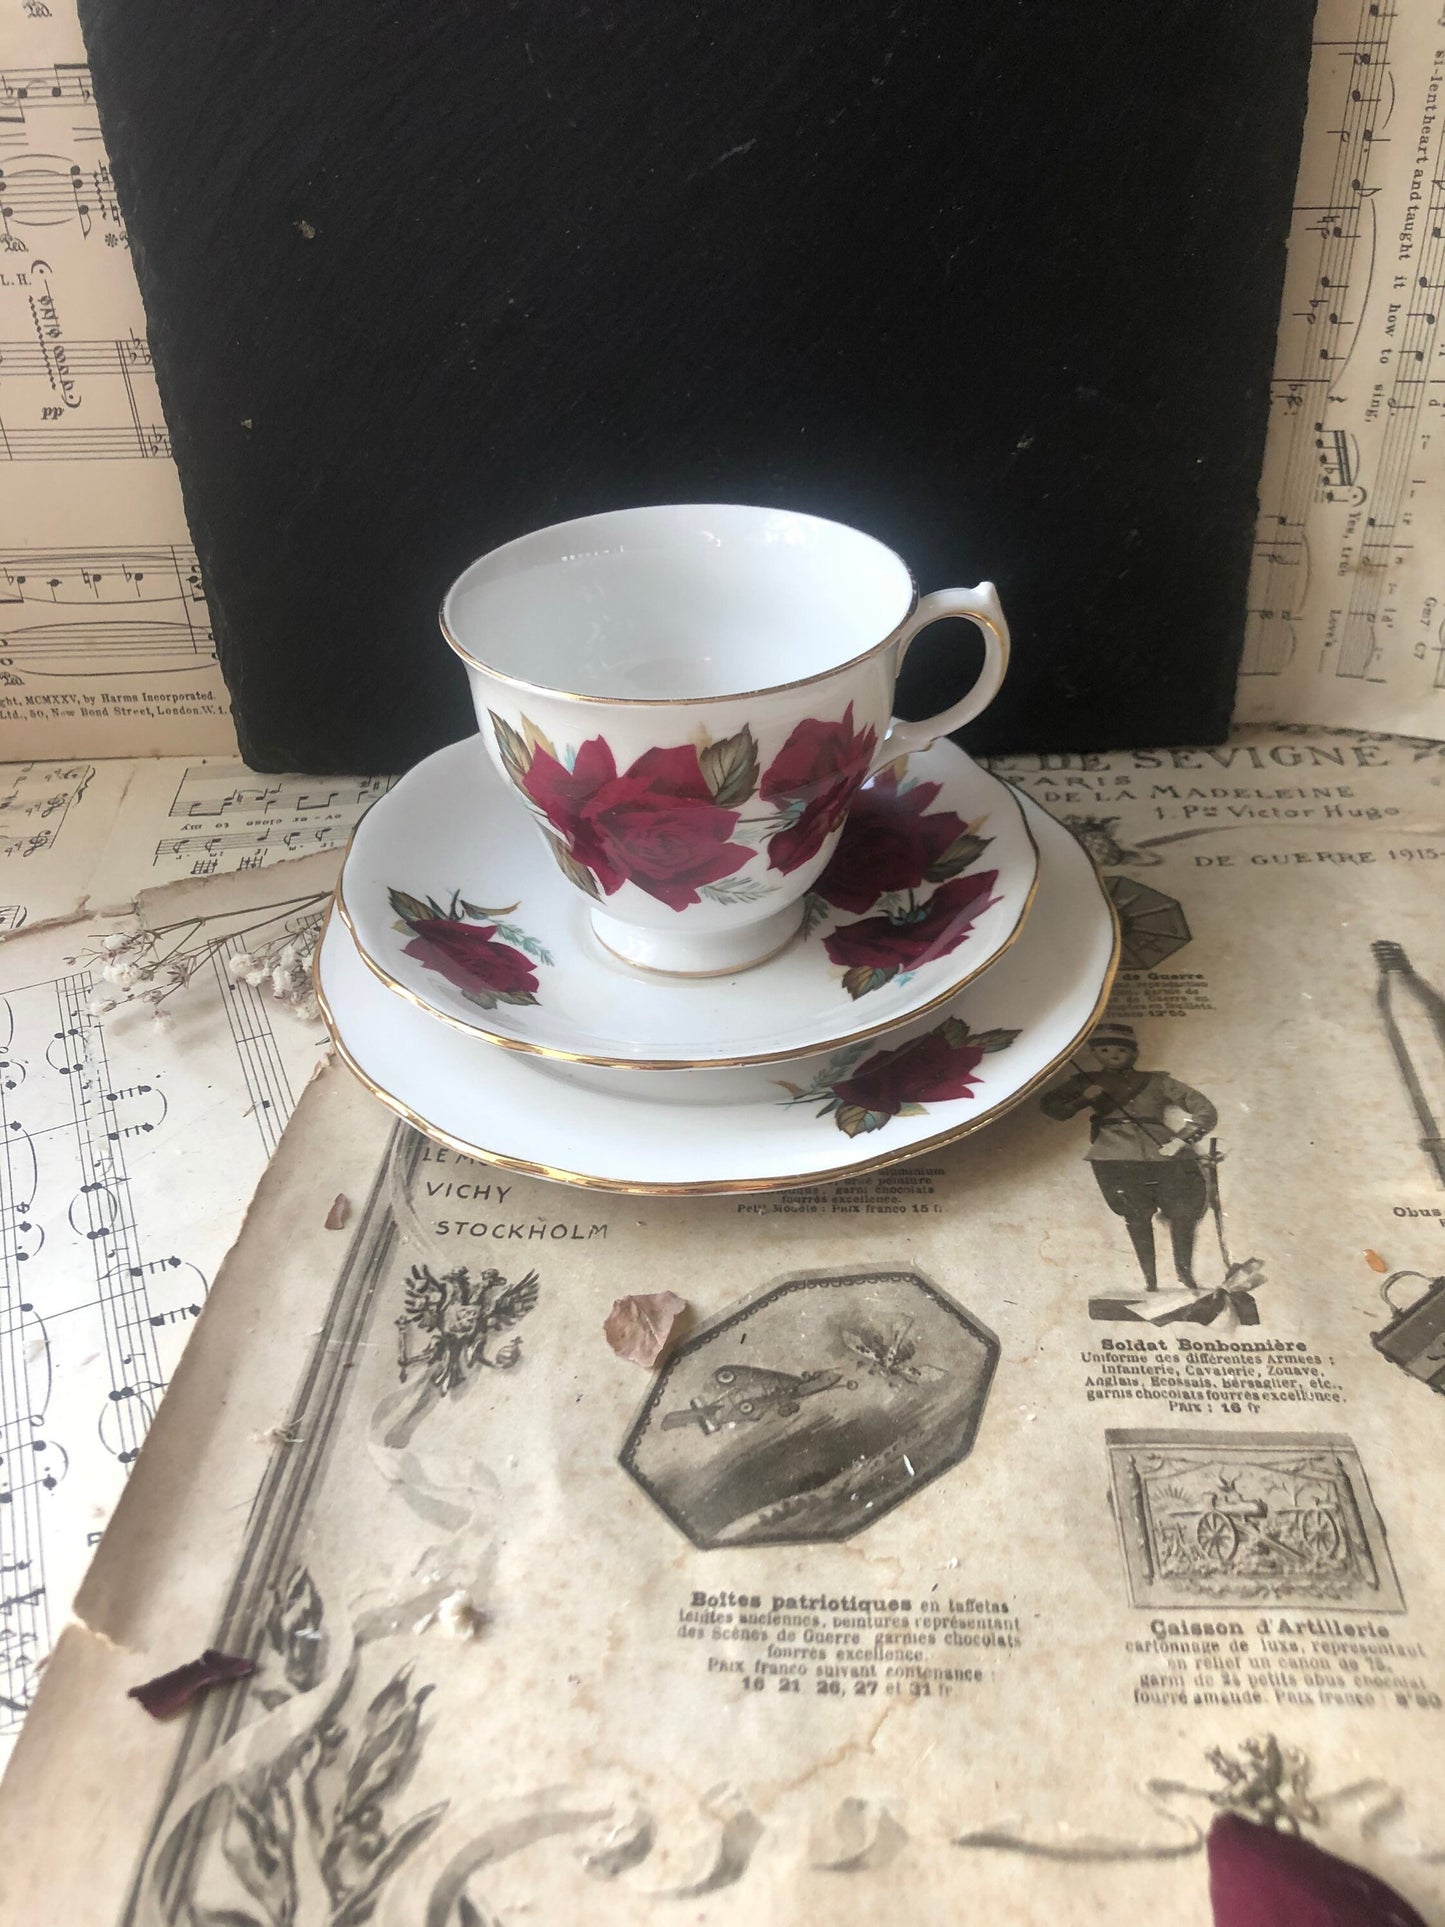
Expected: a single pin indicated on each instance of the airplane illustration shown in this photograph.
(748, 1393)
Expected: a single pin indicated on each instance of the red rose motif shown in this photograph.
(466, 956)
(820, 766)
(656, 825)
(922, 1071)
(562, 795)
(1260, 1876)
(879, 943)
(888, 843)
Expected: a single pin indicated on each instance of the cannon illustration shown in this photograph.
(1307, 1535)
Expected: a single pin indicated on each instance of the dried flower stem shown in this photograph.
(143, 967)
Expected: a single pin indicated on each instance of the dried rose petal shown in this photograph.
(340, 1211)
(1260, 1877)
(169, 1692)
(637, 1328)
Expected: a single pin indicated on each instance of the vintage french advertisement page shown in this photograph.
(996, 1521)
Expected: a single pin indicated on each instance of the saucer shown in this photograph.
(760, 1127)
(452, 901)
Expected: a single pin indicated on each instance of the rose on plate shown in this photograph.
(875, 950)
(864, 1092)
(891, 842)
(467, 953)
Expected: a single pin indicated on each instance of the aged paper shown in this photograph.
(87, 837)
(105, 639)
(1347, 596)
(944, 1569)
(128, 1156)
(106, 647)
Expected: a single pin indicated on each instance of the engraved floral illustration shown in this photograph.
(893, 848)
(863, 1091)
(318, 1829)
(489, 960)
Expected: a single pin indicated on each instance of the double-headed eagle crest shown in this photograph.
(456, 1316)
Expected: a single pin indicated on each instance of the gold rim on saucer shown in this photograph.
(717, 1187)
(384, 976)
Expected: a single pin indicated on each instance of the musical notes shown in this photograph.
(1341, 624)
(242, 820)
(98, 577)
(39, 638)
(34, 803)
(27, 90)
(1316, 335)
(126, 1161)
(43, 191)
(85, 454)
(97, 398)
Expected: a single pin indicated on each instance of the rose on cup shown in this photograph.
(687, 700)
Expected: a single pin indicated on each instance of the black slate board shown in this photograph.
(995, 281)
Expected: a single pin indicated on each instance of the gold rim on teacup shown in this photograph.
(696, 839)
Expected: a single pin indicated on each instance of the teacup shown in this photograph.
(688, 698)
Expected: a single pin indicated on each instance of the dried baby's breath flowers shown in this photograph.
(284, 969)
(150, 967)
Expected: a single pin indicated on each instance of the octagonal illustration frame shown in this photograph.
(813, 1408)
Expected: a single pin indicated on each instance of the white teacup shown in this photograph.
(687, 700)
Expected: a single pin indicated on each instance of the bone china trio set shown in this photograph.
(758, 932)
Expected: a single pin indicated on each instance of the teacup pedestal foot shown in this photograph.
(720, 953)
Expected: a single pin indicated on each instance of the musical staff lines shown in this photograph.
(87, 578)
(237, 820)
(1348, 574)
(214, 789)
(59, 442)
(101, 1212)
(24, 1395)
(1413, 328)
(86, 457)
(28, 90)
(35, 799)
(256, 1049)
(1337, 236)
(56, 362)
(55, 387)
(96, 1299)
(70, 1249)
(41, 192)
(105, 636)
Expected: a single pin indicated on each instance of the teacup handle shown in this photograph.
(980, 605)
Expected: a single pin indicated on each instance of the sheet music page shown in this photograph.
(86, 837)
(943, 1570)
(105, 644)
(105, 638)
(128, 1156)
(1347, 594)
